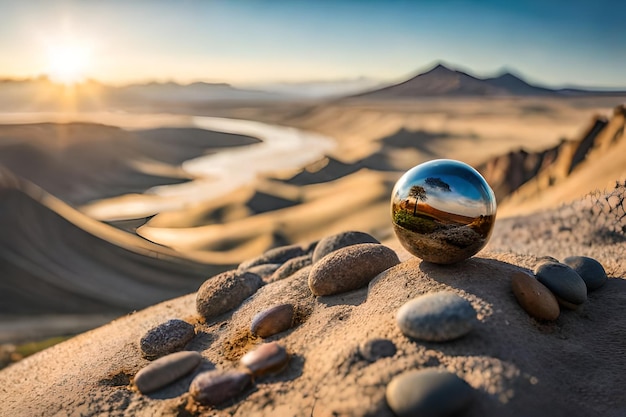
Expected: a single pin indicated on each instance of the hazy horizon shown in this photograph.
(247, 43)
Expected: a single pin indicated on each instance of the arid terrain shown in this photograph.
(104, 214)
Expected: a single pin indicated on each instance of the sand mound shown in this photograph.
(516, 365)
(80, 162)
(57, 260)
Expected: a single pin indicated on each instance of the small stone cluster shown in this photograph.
(556, 285)
(338, 264)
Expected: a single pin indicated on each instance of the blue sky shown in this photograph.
(549, 42)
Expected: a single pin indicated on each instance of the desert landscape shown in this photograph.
(216, 247)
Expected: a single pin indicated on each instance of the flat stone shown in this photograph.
(428, 393)
(290, 267)
(438, 317)
(225, 292)
(273, 320)
(350, 268)
(265, 359)
(166, 338)
(590, 270)
(218, 386)
(341, 240)
(375, 349)
(534, 297)
(277, 255)
(166, 370)
(563, 281)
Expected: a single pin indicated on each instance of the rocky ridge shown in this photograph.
(520, 175)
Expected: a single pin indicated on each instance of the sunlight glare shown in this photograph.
(68, 62)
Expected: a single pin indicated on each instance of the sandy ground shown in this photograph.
(517, 366)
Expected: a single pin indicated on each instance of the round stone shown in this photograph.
(166, 370)
(350, 268)
(218, 386)
(534, 297)
(428, 393)
(564, 283)
(590, 270)
(290, 267)
(225, 291)
(277, 255)
(273, 320)
(374, 349)
(341, 240)
(443, 211)
(265, 359)
(166, 338)
(437, 317)
(265, 271)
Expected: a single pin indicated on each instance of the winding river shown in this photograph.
(217, 174)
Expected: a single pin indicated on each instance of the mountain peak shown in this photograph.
(439, 69)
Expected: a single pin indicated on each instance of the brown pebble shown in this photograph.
(374, 349)
(350, 268)
(273, 320)
(290, 267)
(534, 297)
(225, 291)
(218, 386)
(166, 370)
(165, 338)
(268, 358)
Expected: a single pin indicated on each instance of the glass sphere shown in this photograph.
(443, 211)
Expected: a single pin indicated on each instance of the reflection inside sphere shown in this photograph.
(443, 211)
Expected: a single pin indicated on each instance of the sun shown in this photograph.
(68, 62)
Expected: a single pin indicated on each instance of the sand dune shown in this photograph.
(56, 260)
(359, 201)
(80, 162)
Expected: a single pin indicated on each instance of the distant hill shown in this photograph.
(441, 81)
(41, 94)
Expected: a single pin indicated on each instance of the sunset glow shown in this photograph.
(68, 63)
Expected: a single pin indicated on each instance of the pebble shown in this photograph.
(290, 267)
(341, 240)
(265, 271)
(374, 349)
(350, 268)
(428, 393)
(166, 370)
(166, 338)
(225, 291)
(568, 287)
(277, 255)
(218, 386)
(265, 359)
(545, 258)
(273, 320)
(534, 297)
(590, 270)
(437, 317)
